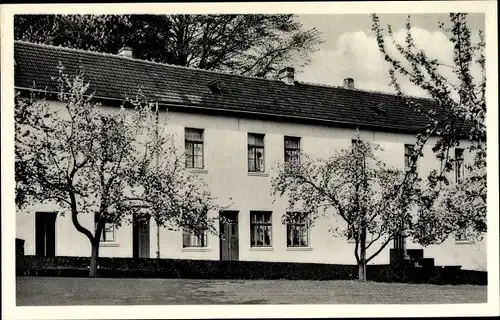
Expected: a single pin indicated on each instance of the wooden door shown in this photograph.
(141, 238)
(229, 240)
(45, 234)
(400, 247)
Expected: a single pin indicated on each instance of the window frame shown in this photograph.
(190, 162)
(200, 241)
(255, 147)
(350, 235)
(459, 167)
(292, 149)
(408, 149)
(255, 225)
(105, 231)
(300, 221)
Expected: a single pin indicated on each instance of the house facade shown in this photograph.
(234, 131)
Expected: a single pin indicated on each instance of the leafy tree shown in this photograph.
(259, 45)
(112, 164)
(457, 114)
(357, 187)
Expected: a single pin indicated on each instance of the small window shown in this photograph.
(194, 148)
(408, 152)
(297, 230)
(215, 87)
(260, 229)
(459, 165)
(354, 143)
(255, 152)
(292, 149)
(350, 235)
(190, 239)
(108, 233)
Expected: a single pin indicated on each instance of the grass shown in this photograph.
(47, 291)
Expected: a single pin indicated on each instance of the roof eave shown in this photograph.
(250, 114)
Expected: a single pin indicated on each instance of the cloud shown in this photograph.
(356, 55)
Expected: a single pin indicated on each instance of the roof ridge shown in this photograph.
(362, 90)
(140, 60)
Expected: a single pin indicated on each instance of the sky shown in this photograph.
(350, 48)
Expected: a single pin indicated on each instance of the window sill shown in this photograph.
(463, 242)
(197, 170)
(299, 249)
(196, 249)
(261, 249)
(258, 174)
(108, 244)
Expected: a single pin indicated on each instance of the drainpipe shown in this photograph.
(157, 165)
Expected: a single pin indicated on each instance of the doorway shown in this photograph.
(140, 238)
(399, 247)
(229, 241)
(45, 234)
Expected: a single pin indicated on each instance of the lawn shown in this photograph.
(46, 291)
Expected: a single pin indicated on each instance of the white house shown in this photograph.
(225, 122)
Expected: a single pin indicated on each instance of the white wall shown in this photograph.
(225, 149)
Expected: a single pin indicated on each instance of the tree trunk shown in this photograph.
(93, 259)
(362, 256)
(362, 270)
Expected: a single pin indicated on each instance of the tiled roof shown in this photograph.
(114, 76)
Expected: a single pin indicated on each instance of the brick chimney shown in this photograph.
(126, 52)
(287, 75)
(348, 83)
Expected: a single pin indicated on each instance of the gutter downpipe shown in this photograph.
(157, 165)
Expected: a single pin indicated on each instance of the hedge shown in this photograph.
(215, 269)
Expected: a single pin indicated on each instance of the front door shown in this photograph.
(140, 238)
(45, 234)
(229, 244)
(400, 246)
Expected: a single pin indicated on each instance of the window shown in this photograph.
(260, 229)
(350, 235)
(190, 239)
(108, 233)
(255, 152)
(459, 165)
(292, 149)
(408, 152)
(194, 148)
(354, 143)
(215, 87)
(297, 230)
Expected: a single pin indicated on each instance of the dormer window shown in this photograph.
(378, 109)
(215, 87)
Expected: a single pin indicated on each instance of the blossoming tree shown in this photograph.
(404, 206)
(458, 90)
(114, 164)
(353, 184)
